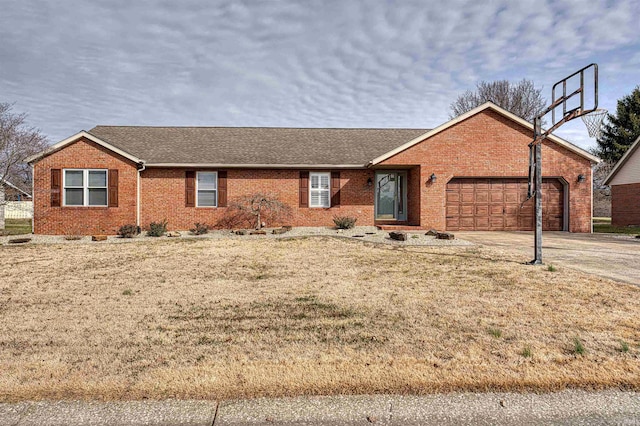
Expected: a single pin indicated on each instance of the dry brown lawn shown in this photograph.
(244, 318)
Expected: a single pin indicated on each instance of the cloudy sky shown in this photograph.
(346, 63)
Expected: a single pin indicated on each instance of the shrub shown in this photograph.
(157, 229)
(578, 347)
(344, 222)
(128, 231)
(254, 211)
(526, 352)
(199, 228)
(624, 346)
(495, 332)
(551, 268)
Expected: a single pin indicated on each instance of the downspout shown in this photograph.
(141, 168)
(33, 199)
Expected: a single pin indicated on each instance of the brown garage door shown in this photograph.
(497, 205)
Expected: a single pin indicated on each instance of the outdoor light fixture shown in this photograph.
(581, 178)
(369, 182)
(433, 178)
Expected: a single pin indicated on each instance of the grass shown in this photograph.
(16, 227)
(578, 346)
(191, 319)
(603, 224)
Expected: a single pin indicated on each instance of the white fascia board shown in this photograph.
(74, 138)
(622, 160)
(6, 182)
(257, 166)
(487, 105)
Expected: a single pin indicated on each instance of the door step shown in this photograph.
(400, 228)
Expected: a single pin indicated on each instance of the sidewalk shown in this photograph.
(567, 407)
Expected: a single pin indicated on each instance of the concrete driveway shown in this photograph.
(611, 256)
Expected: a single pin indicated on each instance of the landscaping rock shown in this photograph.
(98, 238)
(173, 234)
(432, 232)
(241, 232)
(19, 240)
(258, 232)
(398, 236)
(279, 231)
(445, 236)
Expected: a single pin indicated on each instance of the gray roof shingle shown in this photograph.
(254, 145)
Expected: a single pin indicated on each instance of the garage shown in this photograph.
(498, 204)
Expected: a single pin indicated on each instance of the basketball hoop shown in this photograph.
(593, 121)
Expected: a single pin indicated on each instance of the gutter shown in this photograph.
(33, 199)
(258, 166)
(141, 168)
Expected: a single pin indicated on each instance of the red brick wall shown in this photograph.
(625, 204)
(488, 144)
(83, 220)
(163, 197)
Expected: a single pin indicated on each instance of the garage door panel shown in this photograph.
(496, 196)
(482, 197)
(482, 222)
(467, 210)
(501, 204)
(467, 197)
(481, 210)
(496, 210)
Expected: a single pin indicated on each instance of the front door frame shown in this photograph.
(400, 213)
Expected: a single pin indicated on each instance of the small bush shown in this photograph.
(127, 292)
(199, 229)
(128, 231)
(551, 268)
(344, 222)
(526, 352)
(157, 229)
(624, 346)
(495, 332)
(578, 347)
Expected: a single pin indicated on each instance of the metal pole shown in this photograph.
(537, 129)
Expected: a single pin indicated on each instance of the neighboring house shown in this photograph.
(467, 174)
(624, 180)
(14, 202)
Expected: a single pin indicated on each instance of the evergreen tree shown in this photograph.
(622, 129)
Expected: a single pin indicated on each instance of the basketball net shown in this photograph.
(593, 121)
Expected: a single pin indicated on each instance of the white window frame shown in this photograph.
(216, 190)
(320, 190)
(85, 187)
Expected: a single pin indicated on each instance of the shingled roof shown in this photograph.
(254, 146)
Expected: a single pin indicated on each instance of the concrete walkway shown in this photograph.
(612, 256)
(568, 407)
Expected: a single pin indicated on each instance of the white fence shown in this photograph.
(18, 210)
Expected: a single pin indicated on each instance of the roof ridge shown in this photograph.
(260, 127)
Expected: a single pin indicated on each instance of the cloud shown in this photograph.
(361, 63)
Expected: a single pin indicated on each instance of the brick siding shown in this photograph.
(83, 154)
(625, 204)
(163, 197)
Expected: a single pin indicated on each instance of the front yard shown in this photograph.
(249, 317)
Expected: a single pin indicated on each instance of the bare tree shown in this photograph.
(17, 142)
(256, 207)
(522, 98)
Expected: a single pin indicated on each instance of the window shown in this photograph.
(85, 187)
(319, 191)
(207, 189)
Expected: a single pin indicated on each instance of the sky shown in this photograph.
(71, 65)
